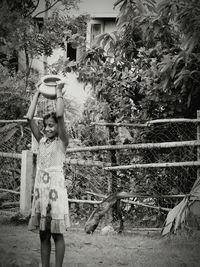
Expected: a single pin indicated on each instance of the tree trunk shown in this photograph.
(103, 208)
(113, 160)
(113, 181)
(27, 70)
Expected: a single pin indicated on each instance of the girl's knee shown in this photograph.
(45, 236)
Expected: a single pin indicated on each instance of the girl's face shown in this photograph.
(51, 128)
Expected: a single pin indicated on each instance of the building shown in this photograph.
(103, 17)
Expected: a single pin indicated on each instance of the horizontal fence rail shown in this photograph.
(146, 124)
(155, 165)
(87, 162)
(10, 155)
(135, 146)
(96, 202)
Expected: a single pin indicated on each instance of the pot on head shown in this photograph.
(48, 86)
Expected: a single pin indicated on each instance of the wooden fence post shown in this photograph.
(198, 150)
(26, 181)
(198, 139)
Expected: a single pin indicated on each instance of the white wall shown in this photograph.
(75, 89)
(107, 25)
(96, 8)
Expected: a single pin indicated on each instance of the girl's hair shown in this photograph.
(51, 115)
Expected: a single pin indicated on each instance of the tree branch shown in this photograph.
(31, 12)
(48, 8)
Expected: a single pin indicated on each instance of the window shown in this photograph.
(95, 30)
(71, 52)
(39, 22)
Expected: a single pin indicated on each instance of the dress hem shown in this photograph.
(55, 226)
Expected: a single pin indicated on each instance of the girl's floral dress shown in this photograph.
(50, 209)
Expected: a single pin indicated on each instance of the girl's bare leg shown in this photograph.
(59, 248)
(45, 239)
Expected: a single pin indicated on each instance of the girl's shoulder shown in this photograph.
(57, 142)
(42, 140)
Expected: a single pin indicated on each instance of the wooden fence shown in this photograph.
(27, 159)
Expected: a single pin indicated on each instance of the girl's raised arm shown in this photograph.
(30, 114)
(60, 115)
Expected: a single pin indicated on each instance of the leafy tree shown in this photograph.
(154, 67)
(19, 31)
(169, 37)
(148, 69)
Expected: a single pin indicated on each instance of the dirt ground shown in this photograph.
(129, 249)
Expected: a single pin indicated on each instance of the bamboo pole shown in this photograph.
(135, 146)
(147, 123)
(145, 205)
(95, 194)
(128, 195)
(178, 120)
(143, 229)
(123, 124)
(99, 202)
(109, 124)
(9, 191)
(123, 200)
(84, 201)
(86, 162)
(10, 155)
(20, 120)
(11, 121)
(154, 165)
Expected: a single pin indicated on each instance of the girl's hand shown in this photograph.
(38, 85)
(60, 85)
(37, 93)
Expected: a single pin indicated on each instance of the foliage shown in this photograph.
(14, 94)
(19, 30)
(91, 135)
(151, 68)
(108, 79)
(147, 69)
(61, 28)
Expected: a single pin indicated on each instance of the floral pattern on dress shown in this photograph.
(53, 194)
(45, 177)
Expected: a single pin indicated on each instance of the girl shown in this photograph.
(50, 203)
